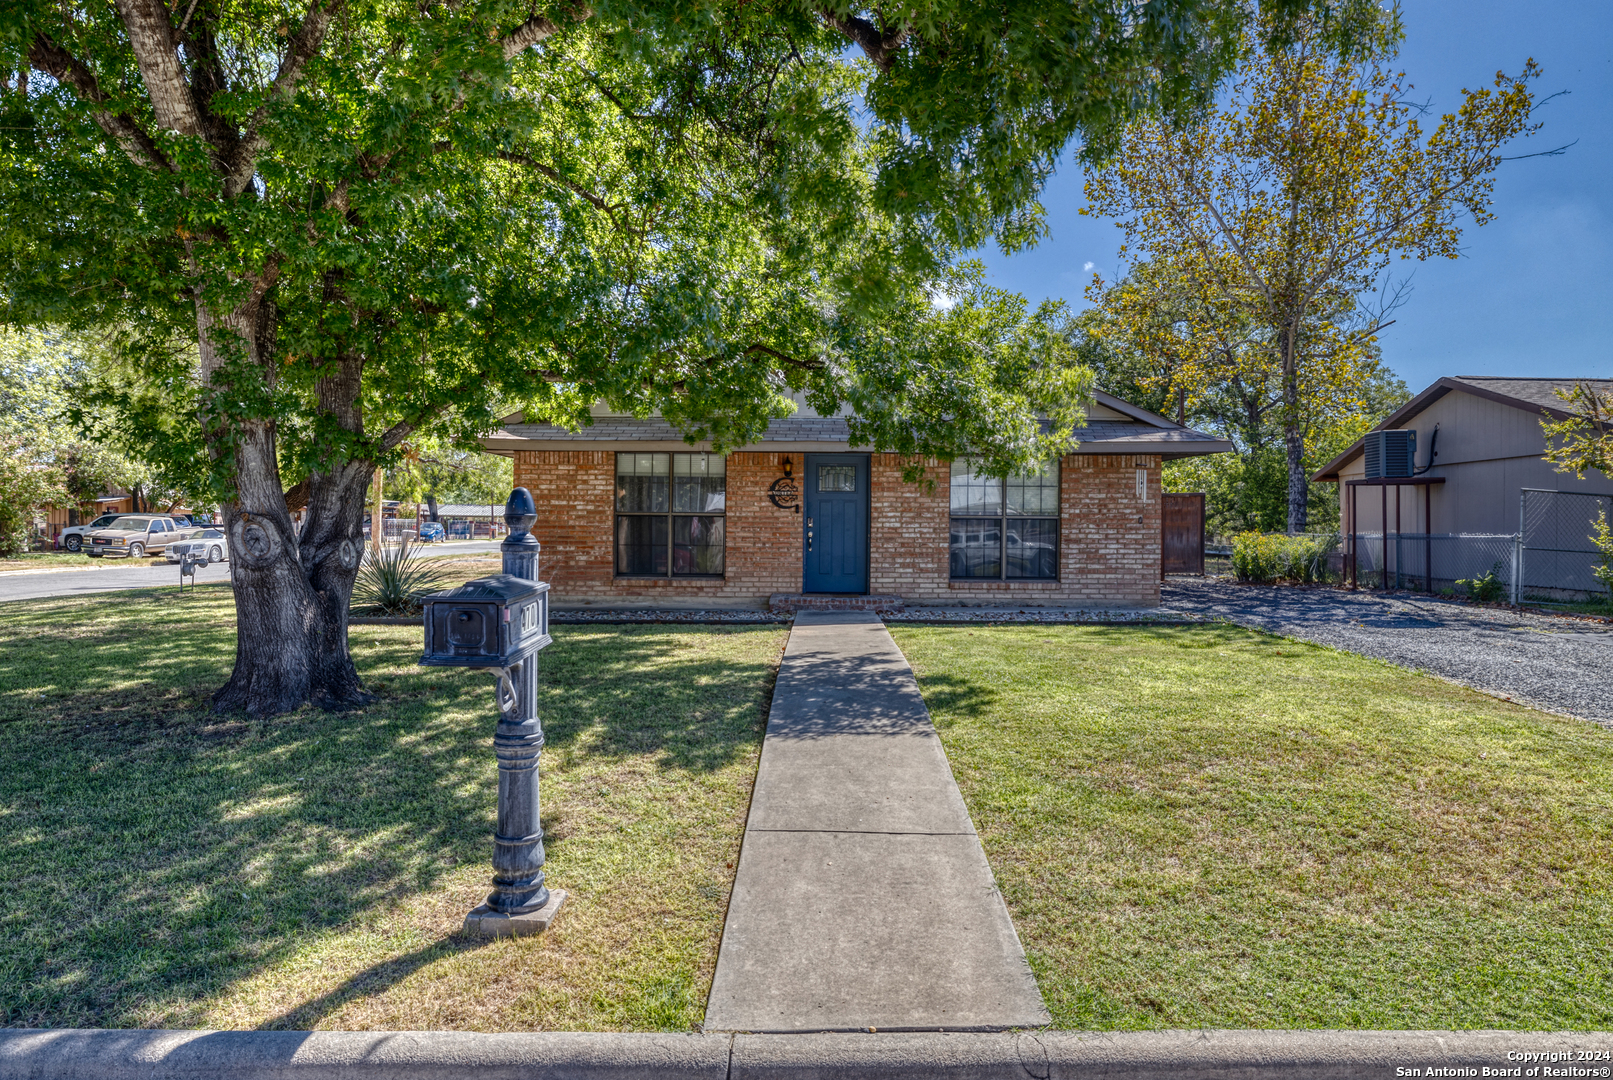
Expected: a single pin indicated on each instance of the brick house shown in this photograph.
(630, 515)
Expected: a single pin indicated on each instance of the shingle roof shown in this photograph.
(1540, 392)
(1097, 437)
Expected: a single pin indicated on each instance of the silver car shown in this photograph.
(210, 544)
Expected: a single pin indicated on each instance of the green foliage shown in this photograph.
(1265, 558)
(1602, 539)
(433, 466)
(23, 487)
(44, 457)
(1262, 235)
(1248, 488)
(694, 210)
(1488, 587)
(392, 581)
(1582, 440)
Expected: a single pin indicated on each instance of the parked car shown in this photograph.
(137, 535)
(72, 537)
(431, 532)
(209, 544)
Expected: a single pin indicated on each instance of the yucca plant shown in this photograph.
(392, 582)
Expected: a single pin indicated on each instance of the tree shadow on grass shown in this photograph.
(951, 698)
(646, 690)
(155, 855)
(372, 981)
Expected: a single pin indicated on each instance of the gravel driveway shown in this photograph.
(1560, 665)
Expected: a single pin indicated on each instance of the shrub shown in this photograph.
(1602, 539)
(1262, 557)
(393, 582)
(1487, 588)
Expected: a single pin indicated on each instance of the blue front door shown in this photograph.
(835, 517)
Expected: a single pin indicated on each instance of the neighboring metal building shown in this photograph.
(1488, 450)
(1478, 450)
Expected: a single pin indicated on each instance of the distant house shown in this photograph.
(466, 521)
(1478, 450)
(116, 501)
(631, 515)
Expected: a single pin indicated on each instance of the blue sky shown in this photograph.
(1533, 292)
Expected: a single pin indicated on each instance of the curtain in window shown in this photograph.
(669, 514)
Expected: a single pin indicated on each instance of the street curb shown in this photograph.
(426, 1055)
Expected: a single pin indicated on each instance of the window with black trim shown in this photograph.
(1004, 529)
(670, 515)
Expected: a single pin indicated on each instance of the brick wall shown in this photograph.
(575, 492)
(1109, 538)
(1108, 544)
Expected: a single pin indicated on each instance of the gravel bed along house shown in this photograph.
(1038, 615)
(668, 615)
(1551, 663)
(921, 614)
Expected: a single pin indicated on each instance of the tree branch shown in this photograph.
(535, 30)
(544, 170)
(783, 358)
(878, 47)
(48, 56)
(304, 46)
(151, 36)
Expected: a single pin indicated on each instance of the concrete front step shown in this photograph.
(792, 602)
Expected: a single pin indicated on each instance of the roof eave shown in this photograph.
(1329, 473)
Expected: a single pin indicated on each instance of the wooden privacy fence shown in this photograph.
(1181, 548)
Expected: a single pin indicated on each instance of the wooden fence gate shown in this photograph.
(1181, 549)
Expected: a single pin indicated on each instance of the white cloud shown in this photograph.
(1088, 265)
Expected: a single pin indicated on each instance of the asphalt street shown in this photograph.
(98, 576)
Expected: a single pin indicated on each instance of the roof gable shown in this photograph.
(1535, 396)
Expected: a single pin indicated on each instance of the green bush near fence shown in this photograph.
(1262, 557)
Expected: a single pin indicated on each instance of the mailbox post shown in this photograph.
(500, 623)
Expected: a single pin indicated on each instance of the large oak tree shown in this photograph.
(376, 219)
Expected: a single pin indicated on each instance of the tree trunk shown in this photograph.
(431, 506)
(291, 591)
(1294, 442)
(332, 544)
(276, 615)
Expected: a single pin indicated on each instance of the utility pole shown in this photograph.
(377, 524)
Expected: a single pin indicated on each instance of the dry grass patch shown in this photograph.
(1206, 826)
(165, 867)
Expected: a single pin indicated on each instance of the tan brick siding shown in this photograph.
(1109, 539)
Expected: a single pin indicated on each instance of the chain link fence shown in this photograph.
(1550, 559)
(1434, 562)
(1556, 549)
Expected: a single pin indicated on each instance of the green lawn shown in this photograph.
(55, 560)
(1211, 827)
(163, 867)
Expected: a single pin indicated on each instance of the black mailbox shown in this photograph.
(492, 622)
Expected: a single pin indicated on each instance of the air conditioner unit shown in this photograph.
(1390, 454)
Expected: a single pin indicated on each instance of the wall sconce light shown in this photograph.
(789, 465)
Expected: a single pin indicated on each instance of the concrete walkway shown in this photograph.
(863, 899)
